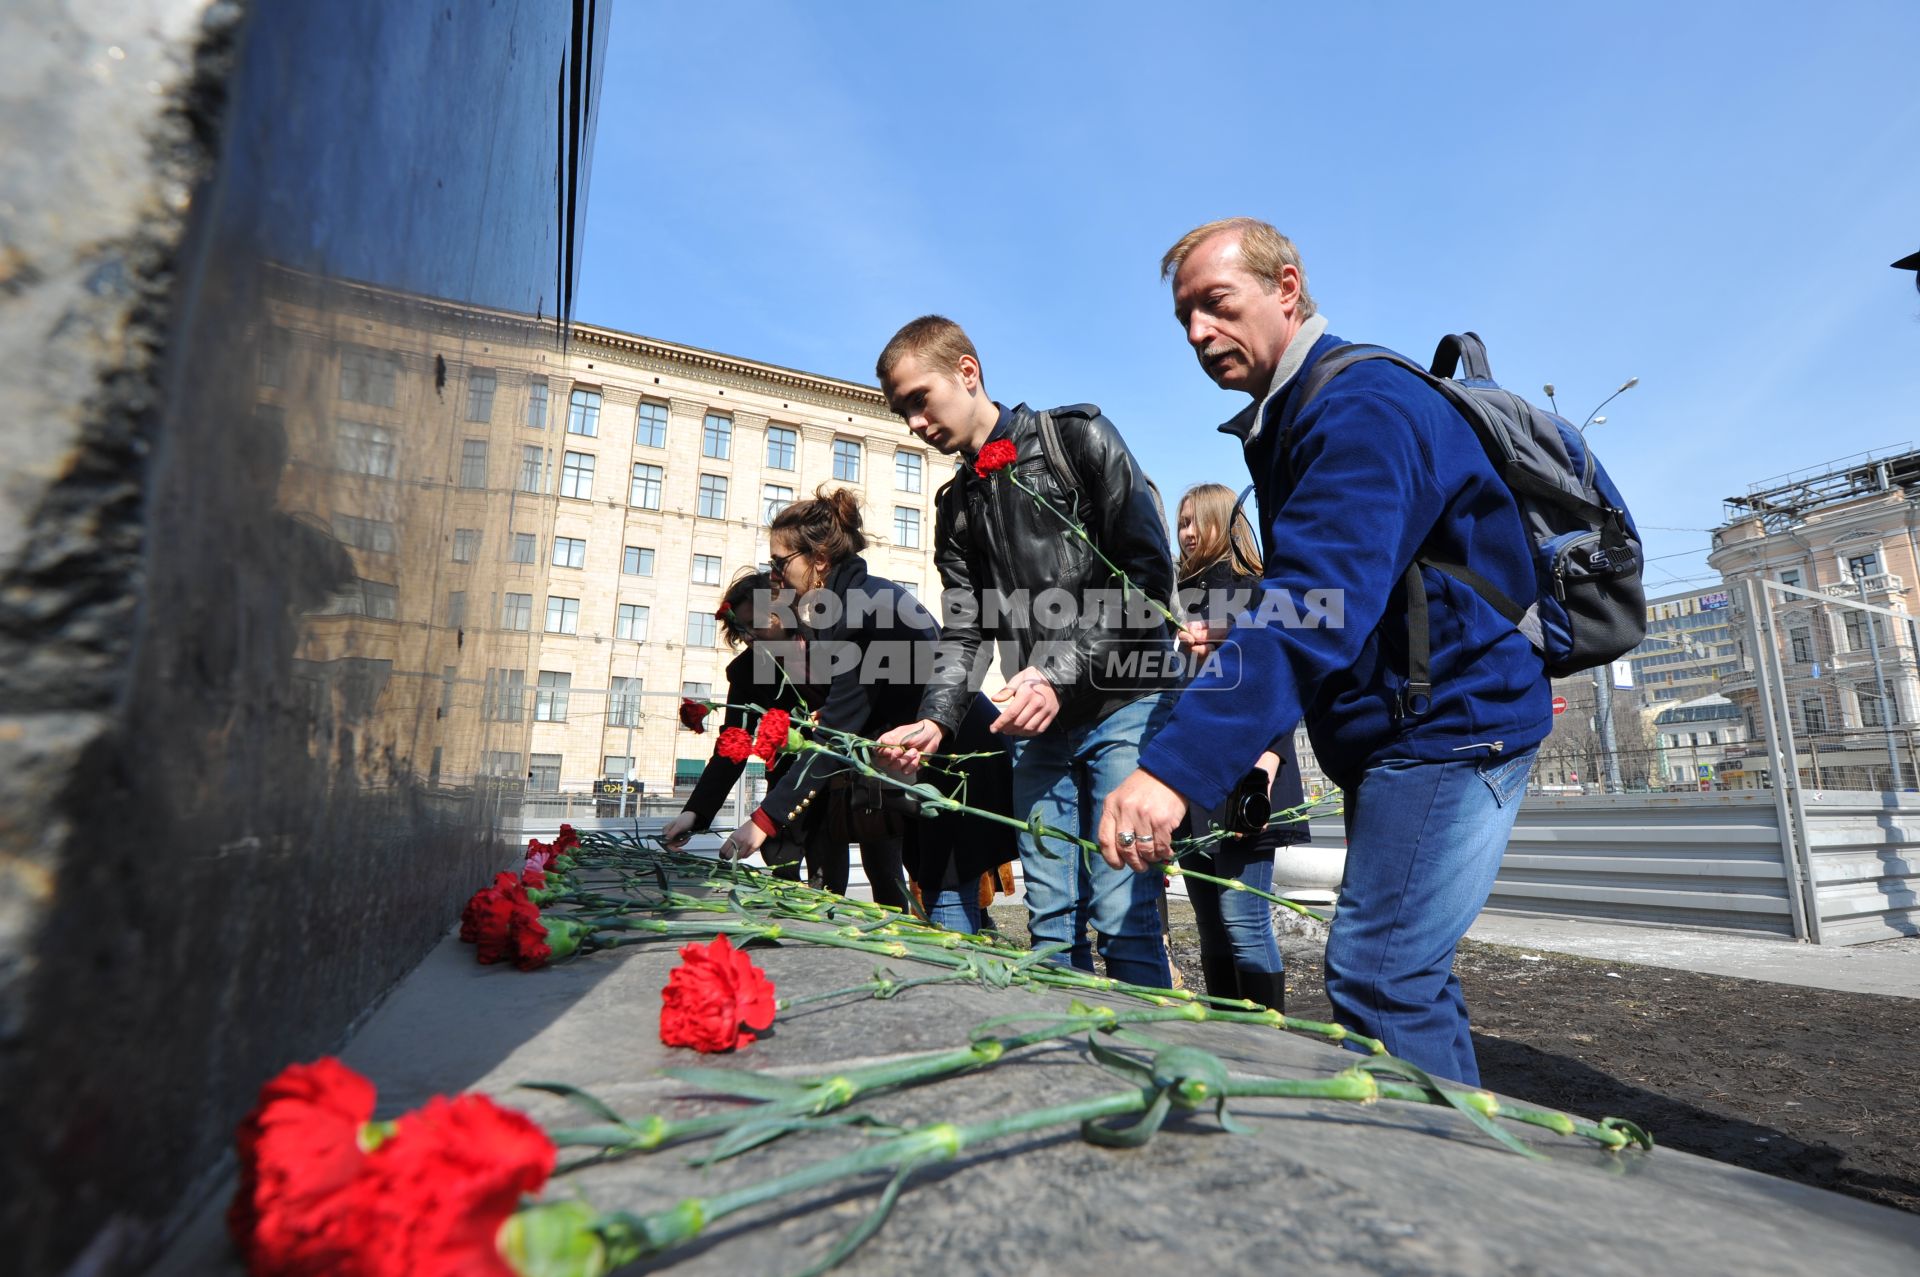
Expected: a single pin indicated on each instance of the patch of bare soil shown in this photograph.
(1808, 1084)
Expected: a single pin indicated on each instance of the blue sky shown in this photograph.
(1705, 196)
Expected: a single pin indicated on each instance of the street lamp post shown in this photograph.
(1602, 681)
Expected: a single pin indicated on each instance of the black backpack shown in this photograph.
(1590, 607)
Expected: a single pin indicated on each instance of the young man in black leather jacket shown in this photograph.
(1094, 678)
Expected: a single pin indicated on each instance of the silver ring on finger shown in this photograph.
(1128, 838)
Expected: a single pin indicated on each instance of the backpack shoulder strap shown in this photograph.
(1059, 460)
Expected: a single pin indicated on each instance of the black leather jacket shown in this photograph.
(999, 552)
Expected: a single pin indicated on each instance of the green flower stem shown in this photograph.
(1074, 525)
(1173, 870)
(880, 988)
(632, 1236)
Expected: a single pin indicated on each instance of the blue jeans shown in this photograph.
(1066, 776)
(1233, 925)
(1424, 841)
(956, 909)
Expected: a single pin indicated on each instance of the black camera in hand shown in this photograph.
(1248, 807)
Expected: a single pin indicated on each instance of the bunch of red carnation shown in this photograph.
(545, 857)
(771, 738)
(714, 998)
(504, 925)
(997, 455)
(325, 1191)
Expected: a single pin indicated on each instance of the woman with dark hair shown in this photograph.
(868, 646)
(1219, 574)
(750, 621)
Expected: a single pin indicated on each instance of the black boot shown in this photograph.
(1221, 976)
(1268, 988)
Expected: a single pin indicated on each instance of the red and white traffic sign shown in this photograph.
(1559, 704)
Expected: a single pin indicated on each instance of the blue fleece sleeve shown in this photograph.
(1365, 496)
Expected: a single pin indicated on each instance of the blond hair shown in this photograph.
(1213, 506)
(934, 338)
(1263, 251)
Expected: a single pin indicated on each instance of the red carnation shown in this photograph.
(533, 879)
(713, 997)
(693, 715)
(503, 925)
(724, 612)
(540, 855)
(734, 744)
(479, 917)
(432, 1201)
(997, 455)
(566, 840)
(772, 736)
(299, 1148)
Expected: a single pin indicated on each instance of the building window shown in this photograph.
(774, 498)
(473, 463)
(1790, 576)
(696, 691)
(456, 609)
(1801, 640)
(449, 675)
(503, 762)
(583, 413)
(364, 449)
(906, 527)
(623, 703)
(1862, 565)
(576, 475)
(1875, 712)
(516, 612)
(480, 387)
(526, 548)
(701, 628)
(543, 773)
(364, 534)
(363, 598)
(716, 440)
(550, 698)
(713, 497)
(569, 552)
(637, 561)
(783, 445)
(650, 426)
(273, 358)
(563, 615)
(466, 544)
(631, 622)
(911, 587)
(537, 403)
(617, 766)
(1855, 624)
(1813, 712)
(505, 698)
(530, 468)
(368, 376)
(645, 492)
(846, 460)
(906, 471)
(706, 569)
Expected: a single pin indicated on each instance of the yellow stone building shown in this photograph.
(532, 535)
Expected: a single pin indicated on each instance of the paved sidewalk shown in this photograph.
(1889, 967)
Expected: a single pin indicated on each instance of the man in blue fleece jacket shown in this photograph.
(1377, 469)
